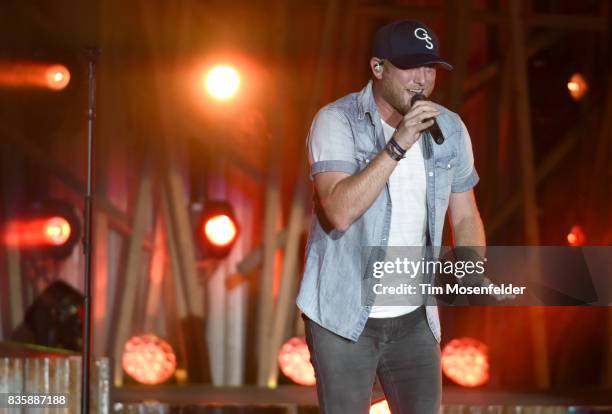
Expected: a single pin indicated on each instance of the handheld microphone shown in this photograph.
(434, 130)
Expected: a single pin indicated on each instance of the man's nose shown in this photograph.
(419, 75)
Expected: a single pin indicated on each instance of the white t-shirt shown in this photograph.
(407, 185)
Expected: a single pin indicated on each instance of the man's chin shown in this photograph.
(403, 110)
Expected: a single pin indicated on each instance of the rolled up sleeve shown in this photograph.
(466, 176)
(331, 146)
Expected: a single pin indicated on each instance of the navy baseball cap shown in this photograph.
(408, 44)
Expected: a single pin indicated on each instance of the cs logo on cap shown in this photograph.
(422, 34)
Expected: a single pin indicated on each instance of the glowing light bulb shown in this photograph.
(220, 230)
(222, 82)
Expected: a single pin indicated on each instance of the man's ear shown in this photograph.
(377, 67)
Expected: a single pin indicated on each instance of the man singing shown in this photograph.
(378, 182)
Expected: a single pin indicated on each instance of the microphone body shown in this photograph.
(434, 130)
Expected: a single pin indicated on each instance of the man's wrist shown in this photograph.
(394, 151)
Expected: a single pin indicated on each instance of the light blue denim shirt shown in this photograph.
(348, 134)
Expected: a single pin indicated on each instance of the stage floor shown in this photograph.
(306, 396)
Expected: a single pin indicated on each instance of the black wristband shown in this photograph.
(399, 149)
(392, 152)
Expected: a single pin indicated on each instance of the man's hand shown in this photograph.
(409, 129)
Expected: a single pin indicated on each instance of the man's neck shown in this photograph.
(386, 111)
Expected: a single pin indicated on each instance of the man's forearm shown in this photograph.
(352, 196)
(469, 231)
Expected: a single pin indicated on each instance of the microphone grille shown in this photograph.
(417, 97)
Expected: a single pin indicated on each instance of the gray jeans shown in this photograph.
(402, 351)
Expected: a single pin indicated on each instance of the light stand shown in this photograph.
(92, 55)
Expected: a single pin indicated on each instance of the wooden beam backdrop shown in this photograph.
(528, 182)
(161, 23)
(272, 201)
(288, 284)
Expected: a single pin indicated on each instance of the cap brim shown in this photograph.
(414, 61)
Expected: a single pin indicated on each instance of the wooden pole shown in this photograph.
(184, 240)
(175, 303)
(182, 305)
(530, 210)
(288, 283)
(154, 22)
(348, 45)
(9, 184)
(460, 21)
(546, 167)
(289, 279)
(133, 271)
(101, 309)
(272, 205)
(255, 256)
(496, 99)
(15, 289)
(521, 89)
(536, 44)
(156, 275)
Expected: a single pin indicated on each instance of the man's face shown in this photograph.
(398, 86)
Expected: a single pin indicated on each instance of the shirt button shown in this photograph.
(431, 173)
(368, 160)
(448, 166)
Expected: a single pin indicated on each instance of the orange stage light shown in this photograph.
(37, 75)
(148, 359)
(294, 361)
(58, 77)
(217, 230)
(220, 230)
(39, 232)
(222, 82)
(466, 362)
(576, 236)
(381, 407)
(577, 86)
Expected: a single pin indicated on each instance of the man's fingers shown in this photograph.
(420, 118)
(423, 125)
(421, 109)
(425, 113)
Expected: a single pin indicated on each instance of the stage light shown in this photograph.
(222, 82)
(576, 236)
(51, 227)
(32, 74)
(55, 319)
(148, 359)
(466, 362)
(381, 407)
(58, 77)
(577, 86)
(294, 361)
(218, 229)
(57, 231)
(52, 231)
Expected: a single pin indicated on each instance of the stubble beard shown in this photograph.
(396, 98)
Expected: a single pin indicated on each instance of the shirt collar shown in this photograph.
(366, 102)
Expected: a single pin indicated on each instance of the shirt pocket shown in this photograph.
(445, 171)
(364, 157)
